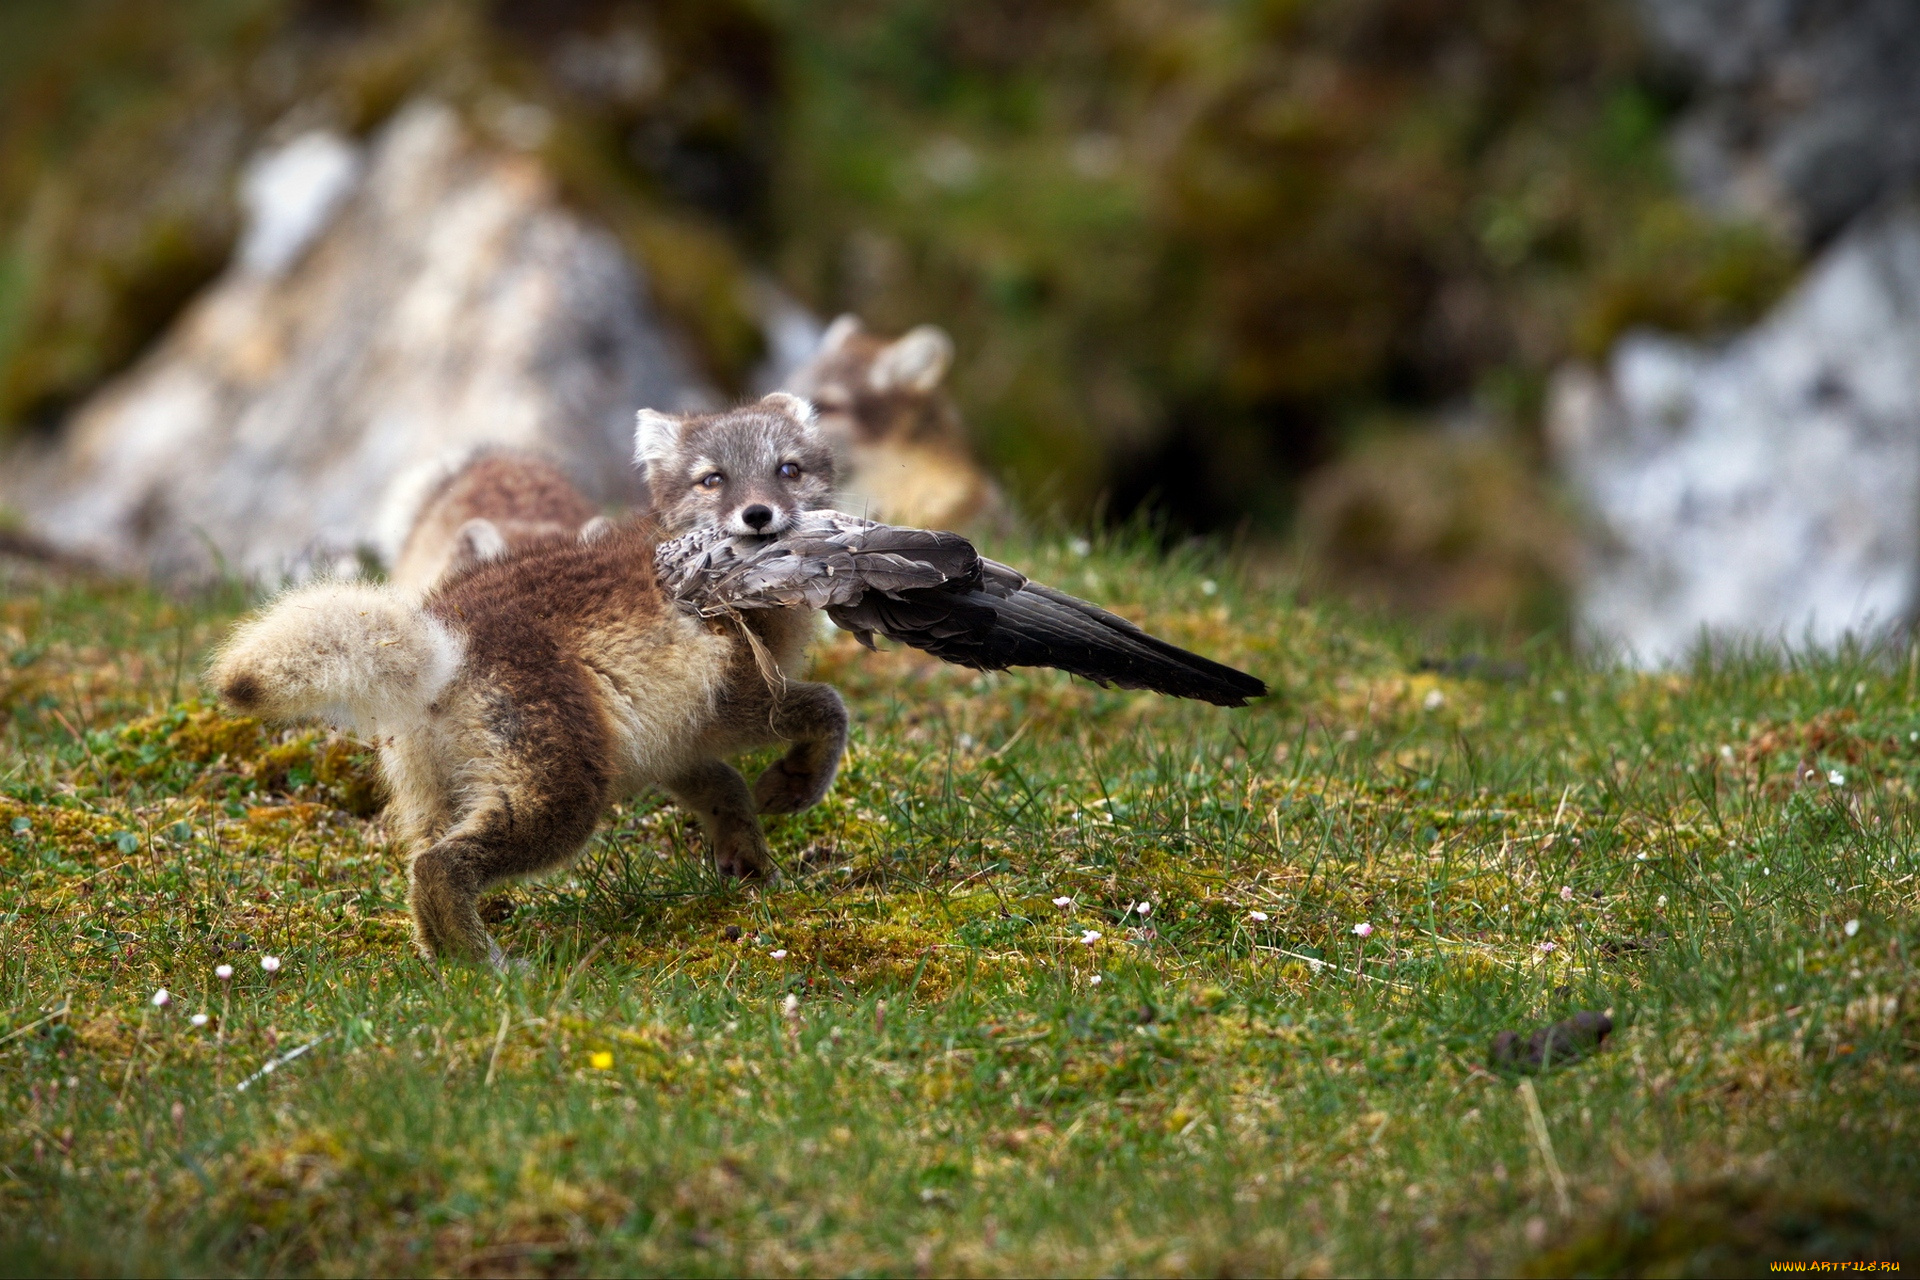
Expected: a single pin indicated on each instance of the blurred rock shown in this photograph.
(1731, 1225)
(383, 312)
(1809, 112)
(1444, 524)
(1769, 488)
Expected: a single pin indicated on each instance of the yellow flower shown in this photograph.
(600, 1060)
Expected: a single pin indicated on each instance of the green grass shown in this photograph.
(1196, 1091)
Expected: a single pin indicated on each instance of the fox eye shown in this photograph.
(789, 471)
(712, 480)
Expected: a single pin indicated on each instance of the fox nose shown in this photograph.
(757, 516)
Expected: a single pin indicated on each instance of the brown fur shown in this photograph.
(903, 452)
(571, 648)
(525, 695)
(500, 501)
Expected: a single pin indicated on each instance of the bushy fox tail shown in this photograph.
(357, 655)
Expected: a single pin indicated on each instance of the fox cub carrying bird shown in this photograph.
(519, 699)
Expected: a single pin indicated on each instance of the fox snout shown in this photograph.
(760, 519)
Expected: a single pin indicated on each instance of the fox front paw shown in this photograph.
(742, 858)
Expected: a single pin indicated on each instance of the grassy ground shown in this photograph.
(1075, 975)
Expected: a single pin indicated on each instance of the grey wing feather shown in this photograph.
(933, 591)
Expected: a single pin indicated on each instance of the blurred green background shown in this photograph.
(1293, 267)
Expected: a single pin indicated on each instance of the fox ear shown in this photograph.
(837, 334)
(654, 436)
(478, 541)
(793, 406)
(916, 361)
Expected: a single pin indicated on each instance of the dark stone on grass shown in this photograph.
(1564, 1042)
(733, 933)
(1614, 948)
(1475, 666)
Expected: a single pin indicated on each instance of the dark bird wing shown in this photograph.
(933, 591)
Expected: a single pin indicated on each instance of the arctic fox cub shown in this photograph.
(516, 701)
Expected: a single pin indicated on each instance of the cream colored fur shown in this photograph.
(364, 658)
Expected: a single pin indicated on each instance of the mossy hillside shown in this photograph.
(1184, 249)
(1188, 248)
(966, 1080)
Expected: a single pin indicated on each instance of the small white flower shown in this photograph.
(1836, 778)
(198, 1019)
(779, 955)
(1766, 871)
(1434, 700)
(1144, 908)
(162, 998)
(1853, 927)
(1363, 929)
(1259, 916)
(1089, 936)
(224, 972)
(1095, 980)
(1315, 965)
(1208, 586)
(1079, 546)
(1063, 902)
(270, 963)
(1662, 902)
(1566, 893)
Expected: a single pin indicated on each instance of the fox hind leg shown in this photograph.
(814, 719)
(501, 840)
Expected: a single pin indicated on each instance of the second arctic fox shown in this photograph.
(901, 449)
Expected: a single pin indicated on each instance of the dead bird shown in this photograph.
(933, 591)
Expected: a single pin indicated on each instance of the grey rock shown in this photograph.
(1765, 489)
(396, 309)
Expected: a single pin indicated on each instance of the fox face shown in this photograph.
(749, 470)
(868, 388)
(903, 452)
